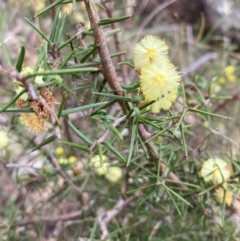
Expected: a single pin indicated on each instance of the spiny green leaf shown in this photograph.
(116, 132)
(131, 147)
(208, 113)
(63, 71)
(131, 87)
(66, 43)
(114, 20)
(45, 142)
(12, 101)
(20, 58)
(75, 145)
(78, 133)
(115, 151)
(81, 108)
(55, 3)
(116, 97)
(38, 30)
(127, 63)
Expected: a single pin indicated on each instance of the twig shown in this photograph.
(107, 66)
(235, 96)
(216, 132)
(117, 45)
(62, 173)
(214, 48)
(18, 76)
(154, 230)
(80, 28)
(150, 17)
(199, 63)
(53, 116)
(72, 48)
(63, 217)
(105, 218)
(103, 138)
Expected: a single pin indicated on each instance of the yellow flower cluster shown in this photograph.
(229, 75)
(61, 157)
(217, 171)
(112, 173)
(159, 79)
(4, 140)
(40, 120)
(223, 195)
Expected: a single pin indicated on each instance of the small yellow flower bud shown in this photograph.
(101, 169)
(114, 174)
(95, 161)
(59, 151)
(215, 170)
(4, 140)
(62, 161)
(229, 70)
(231, 78)
(72, 159)
(221, 80)
(219, 195)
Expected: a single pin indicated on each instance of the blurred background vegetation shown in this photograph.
(57, 188)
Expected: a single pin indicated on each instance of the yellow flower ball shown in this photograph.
(34, 123)
(215, 170)
(67, 9)
(59, 151)
(95, 161)
(62, 161)
(160, 84)
(72, 159)
(29, 70)
(219, 195)
(114, 174)
(221, 80)
(150, 50)
(18, 85)
(229, 70)
(4, 140)
(231, 78)
(215, 88)
(101, 169)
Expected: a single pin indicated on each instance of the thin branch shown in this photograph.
(19, 77)
(107, 66)
(62, 173)
(199, 63)
(155, 229)
(107, 217)
(150, 17)
(72, 48)
(63, 217)
(80, 28)
(123, 68)
(103, 138)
